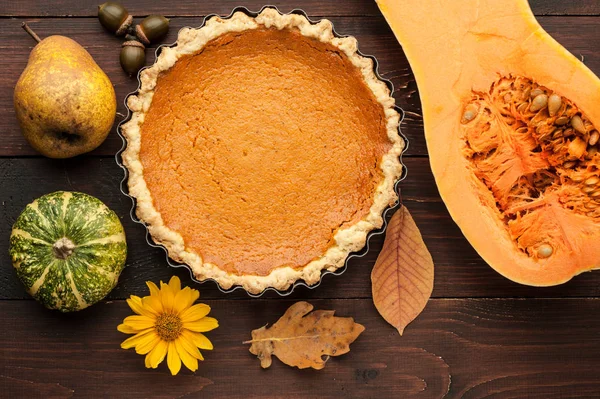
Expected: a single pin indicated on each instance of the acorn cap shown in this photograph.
(132, 57)
(124, 26)
(133, 43)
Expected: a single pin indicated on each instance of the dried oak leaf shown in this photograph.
(402, 279)
(302, 340)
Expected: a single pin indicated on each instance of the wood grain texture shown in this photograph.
(518, 347)
(88, 8)
(476, 348)
(459, 271)
(578, 34)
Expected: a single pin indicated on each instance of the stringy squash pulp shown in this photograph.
(511, 121)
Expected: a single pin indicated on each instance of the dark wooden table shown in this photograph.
(480, 335)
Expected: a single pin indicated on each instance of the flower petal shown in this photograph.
(202, 325)
(124, 328)
(194, 295)
(187, 359)
(194, 313)
(147, 361)
(158, 353)
(190, 348)
(182, 300)
(153, 301)
(138, 322)
(136, 339)
(136, 304)
(198, 339)
(146, 345)
(166, 297)
(173, 359)
(153, 288)
(175, 284)
(133, 299)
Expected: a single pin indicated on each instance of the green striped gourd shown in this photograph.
(68, 249)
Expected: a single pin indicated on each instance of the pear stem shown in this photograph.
(31, 32)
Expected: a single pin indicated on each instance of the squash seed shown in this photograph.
(594, 138)
(554, 104)
(588, 189)
(544, 251)
(577, 147)
(522, 129)
(544, 135)
(543, 120)
(536, 92)
(557, 133)
(469, 114)
(540, 101)
(578, 125)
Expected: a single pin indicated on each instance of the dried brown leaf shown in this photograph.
(402, 279)
(302, 340)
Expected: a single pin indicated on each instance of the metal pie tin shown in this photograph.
(300, 283)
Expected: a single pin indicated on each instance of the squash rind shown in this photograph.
(90, 272)
(460, 47)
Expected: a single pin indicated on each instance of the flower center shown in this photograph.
(168, 326)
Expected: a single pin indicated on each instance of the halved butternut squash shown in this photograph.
(511, 122)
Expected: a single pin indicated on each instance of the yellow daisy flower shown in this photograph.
(166, 324)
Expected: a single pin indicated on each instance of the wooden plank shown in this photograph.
(88, 8)
(460, 272)
(476, 348)
(576, 33)
(562, 7)
(374, 35)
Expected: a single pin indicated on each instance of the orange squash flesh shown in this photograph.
(511, 121)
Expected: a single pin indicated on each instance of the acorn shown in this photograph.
(132, 57)
(114, 17)
(152, 29)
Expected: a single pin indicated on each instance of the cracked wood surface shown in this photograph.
(481, 335)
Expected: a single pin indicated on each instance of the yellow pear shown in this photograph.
(65, 103)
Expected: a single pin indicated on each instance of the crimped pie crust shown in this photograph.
(347, 240)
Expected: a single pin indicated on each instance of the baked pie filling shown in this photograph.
(262, 150)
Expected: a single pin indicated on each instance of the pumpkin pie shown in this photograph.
(262, 150)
